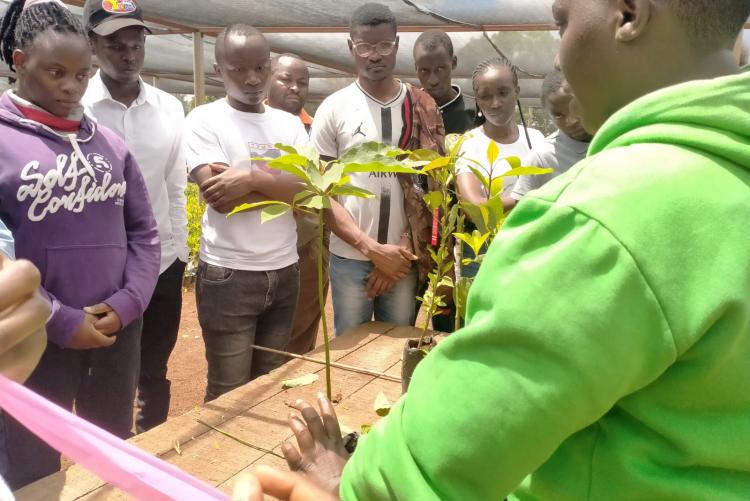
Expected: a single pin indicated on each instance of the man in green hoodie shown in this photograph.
(608, 338)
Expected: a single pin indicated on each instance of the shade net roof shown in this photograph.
(317, 31)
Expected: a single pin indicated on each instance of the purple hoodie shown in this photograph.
(85, 223)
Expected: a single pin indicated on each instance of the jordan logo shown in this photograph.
(359, 130)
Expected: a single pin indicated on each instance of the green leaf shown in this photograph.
(482, 177)
(474, 213)
(310, 152)
(514, 162)
(382, 406)
(496, 186)
(493, 151)
(273, 212)
(285, 148)
(462, 293)
(365, 428)
(291, 159)
(424, 155)
(305, 380)
(316, 179)
(446, 282)
(332, 175)
(350, 191)
(433, 200)
(302, 196)
(374, 157)
(255, 205)
(286, 164)
(475, 240)
(365, 152)
(438, 163)
(397, 152)
(317, 202)
(527, 171)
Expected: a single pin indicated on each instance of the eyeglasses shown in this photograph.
(364, 49)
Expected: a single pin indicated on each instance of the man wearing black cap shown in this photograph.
(150, 121)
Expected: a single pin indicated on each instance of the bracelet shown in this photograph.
(406, 235)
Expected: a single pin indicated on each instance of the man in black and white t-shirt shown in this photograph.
(371, 109)
(248, 278)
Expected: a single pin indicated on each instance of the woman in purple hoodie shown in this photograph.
(74, 199)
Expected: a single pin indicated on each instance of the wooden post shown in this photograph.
(199, 75)
(155, 81)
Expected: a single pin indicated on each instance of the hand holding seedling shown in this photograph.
(321, 455)
(108, 321)
(23, 315)
(282, 485)
(227, 185)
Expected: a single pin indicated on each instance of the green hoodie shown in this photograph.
(607, 351)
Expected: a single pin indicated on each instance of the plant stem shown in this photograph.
(237, 439)
(322, 302)
(335, 365)
(445, 233)
(458, 267)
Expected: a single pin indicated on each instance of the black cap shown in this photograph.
(104, 17)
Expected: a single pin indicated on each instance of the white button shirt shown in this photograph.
(152, 127)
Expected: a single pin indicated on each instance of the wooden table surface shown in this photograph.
(255, 413)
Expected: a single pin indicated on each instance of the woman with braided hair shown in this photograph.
(73, 197)
(496, 91)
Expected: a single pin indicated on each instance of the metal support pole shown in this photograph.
(199, 74)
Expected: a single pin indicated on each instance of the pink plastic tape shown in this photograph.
(117, 462)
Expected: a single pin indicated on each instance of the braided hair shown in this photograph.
(20, 27)
(494, 62)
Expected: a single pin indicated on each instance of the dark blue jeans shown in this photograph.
(101, 382)
(237, 309)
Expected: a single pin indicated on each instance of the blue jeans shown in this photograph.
(352, 307)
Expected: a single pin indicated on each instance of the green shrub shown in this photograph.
(195, 208)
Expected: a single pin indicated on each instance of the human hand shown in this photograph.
(108, 322)
(23, 315)
(282, 485)
(378, 283)
(321, 455)
(226, 185)
(87, 336)
(393, 260)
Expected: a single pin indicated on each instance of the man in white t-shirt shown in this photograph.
(150, 121)
(563, 148)
(248, 276)
(376, 107)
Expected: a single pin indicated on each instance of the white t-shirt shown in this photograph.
(559, 152)
(475, 147)
(217, 133)
(345, 119)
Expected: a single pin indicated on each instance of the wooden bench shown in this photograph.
(255, 413)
